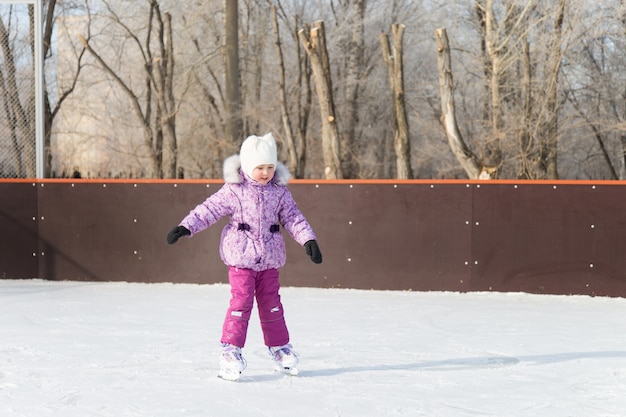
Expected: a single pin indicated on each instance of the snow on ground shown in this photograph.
(123, 349)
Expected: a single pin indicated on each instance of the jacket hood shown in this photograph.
(234, 175)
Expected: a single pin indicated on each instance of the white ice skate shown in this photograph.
(232, 363)
(285, 359)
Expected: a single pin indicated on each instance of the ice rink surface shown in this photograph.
(77, 349)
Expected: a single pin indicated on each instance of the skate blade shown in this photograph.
(229, 375)
(287, 371)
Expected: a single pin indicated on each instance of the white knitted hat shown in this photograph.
(257, 150)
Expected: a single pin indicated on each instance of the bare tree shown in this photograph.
(158, 123)
(510, 87)
(314, 44)
(291, 145)
(598, 98)
(296, 82)
(501, 41)
(355, 72)
(395, 69)
(304, 100)
(549, 119)
(63, 92)
(461, 151)
(521, 103)
(205, 144)
(234, 124)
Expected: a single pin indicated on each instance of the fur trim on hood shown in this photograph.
(234, 175)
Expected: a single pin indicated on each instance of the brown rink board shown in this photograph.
(372, 236)
(385, 236)
(561, 238)
(116, 232)
(18, 223)
(549, 238)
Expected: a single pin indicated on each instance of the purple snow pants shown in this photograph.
(245, 284)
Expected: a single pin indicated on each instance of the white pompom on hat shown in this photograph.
(257, 150)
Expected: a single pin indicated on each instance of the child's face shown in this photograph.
(263, 174)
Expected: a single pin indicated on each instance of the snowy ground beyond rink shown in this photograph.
(121, 349)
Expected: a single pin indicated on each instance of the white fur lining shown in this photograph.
(234, 175)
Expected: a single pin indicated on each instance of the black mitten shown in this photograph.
(176, 233)
(313, 251)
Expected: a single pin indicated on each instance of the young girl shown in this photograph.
(256, 199)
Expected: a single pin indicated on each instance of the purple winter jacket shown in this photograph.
(252, 239)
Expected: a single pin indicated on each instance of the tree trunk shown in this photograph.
(48, 113)
(525, 170)
(170, 102)
(622, 171)
(315, 47)
(353, 79)
(393, 58)
(486, 63)
(622, 174)
(467, 159)
(233, 120)
(550, 125)
(291, 146)
(164, 77)
(496, 57)
(497, 68)
(304, 93)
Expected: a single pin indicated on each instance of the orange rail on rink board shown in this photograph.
(311, 181)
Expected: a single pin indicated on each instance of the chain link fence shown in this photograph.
(19, 60)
